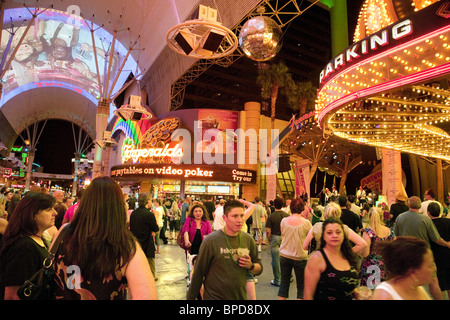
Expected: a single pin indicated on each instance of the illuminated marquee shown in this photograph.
(417, 53)
(391, 97)
(366, 46)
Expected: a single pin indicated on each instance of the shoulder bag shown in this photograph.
(40, 286)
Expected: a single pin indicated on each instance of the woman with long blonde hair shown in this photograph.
(375, 232)
(332, 210)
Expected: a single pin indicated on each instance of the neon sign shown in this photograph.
(363, 47)
(130, 152)
(155, 144)
(6, 172)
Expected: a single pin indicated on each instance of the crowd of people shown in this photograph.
(345, 249)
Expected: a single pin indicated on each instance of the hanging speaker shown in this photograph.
(284, 164)
(183, 42)
(136, 116)
(213, 41)
(331, 162)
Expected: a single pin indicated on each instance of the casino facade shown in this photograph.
(197, 152)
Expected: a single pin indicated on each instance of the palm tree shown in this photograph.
(302, 97)
(272, 79)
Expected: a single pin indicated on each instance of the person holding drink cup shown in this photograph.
(225, 257)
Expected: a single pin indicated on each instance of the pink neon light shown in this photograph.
(388, 52)
(413, 78)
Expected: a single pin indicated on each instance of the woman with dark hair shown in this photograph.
(294, 230)
(23, 249)
(196, 227)
(410, 264)
(194, 230)
(331, 272)
(99, 258)
(13, 204)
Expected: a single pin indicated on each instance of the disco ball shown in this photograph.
(260, 38)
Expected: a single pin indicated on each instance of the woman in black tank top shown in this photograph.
(331, 272)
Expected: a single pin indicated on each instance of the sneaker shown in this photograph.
(276, 284)
(259, 248)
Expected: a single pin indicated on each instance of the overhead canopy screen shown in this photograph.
(58, 51)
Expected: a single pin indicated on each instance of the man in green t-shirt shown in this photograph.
(225, 258)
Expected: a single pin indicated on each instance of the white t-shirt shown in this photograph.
(386, 286)
(159, 213)
(424, 206)
(218, 218)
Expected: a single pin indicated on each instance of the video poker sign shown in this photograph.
(147, 171)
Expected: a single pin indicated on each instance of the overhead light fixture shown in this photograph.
(202, 37)
(133, 111)
(107, 141)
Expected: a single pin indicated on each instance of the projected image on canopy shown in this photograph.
(57, 48)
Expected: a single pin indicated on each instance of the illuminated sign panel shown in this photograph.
(219, 189)
(196, 189)
(154, 145)
(183, 172)
(57, 51)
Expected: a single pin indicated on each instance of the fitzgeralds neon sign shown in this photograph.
(130, 152)
(169, 150)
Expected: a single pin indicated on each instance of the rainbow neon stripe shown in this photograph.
(130, 129)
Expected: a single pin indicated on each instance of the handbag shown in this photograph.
(180, 239)
(40, 286)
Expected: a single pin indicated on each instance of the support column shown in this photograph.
(339, 25)
(101, 123)
(182, 189)
(75, 175)
(146, 187)
(106, 156)
(343, 181)
(440, 181)
(252, 111)
(31, 154)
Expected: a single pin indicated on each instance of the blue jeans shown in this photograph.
(275, 242)
(287, 265)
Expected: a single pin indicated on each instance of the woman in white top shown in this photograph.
(292, 255)
(410, 264)
(158, 211)
(332, 210)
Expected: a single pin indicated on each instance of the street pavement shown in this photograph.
(171, 271)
